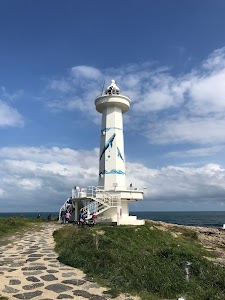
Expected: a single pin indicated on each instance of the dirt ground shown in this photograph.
(212, 239)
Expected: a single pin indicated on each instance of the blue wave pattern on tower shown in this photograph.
(110, 128)
(113, 171)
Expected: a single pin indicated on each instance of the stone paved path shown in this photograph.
(29, 269)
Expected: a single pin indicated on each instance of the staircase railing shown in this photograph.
(100, 204)
(63, 207)
(93, 208)
(101, 200)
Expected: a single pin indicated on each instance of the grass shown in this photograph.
(13, 224)
(142, 260)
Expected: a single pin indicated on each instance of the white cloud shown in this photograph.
(9, 116)
(208, 94)
(205, 151)
(2, 193)
(155, 101)
(61, 85)
(183, 108)
(187, 130)
(23, 183)
(178, 183)
(42, 178)
(11, 96)
(216, 60)
(86, 72)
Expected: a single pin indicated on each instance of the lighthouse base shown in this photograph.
(119, 220)
(119, 215)
(109, 206)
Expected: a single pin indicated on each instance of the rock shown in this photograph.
(82, 293)
(97, 297)
(34, 268)
(65, 296)
(49, 277)
(33, 279)
(9, 289)
(32, 273)
(69, 274)
(58, 288)
(14, 282)
(33, 286)
(74, 281)
(52, 271)
(29, 295)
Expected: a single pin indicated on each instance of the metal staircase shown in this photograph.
(100, 202)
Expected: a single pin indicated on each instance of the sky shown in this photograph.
(168, 56)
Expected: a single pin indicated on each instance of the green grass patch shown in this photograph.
(3, 298)
(142, 260)
(13, 224)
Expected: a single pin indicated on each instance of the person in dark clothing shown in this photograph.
(81, 219)
(63, 216)
(50, 217)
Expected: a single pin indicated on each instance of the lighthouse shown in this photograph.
(112, 105)
(109, 201)
(112, 168)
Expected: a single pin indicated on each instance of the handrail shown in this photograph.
(98, 205)
(90, 191)
(63, 207)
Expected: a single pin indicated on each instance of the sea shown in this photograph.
(213, 219)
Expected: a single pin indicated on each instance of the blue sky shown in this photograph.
(167, 56)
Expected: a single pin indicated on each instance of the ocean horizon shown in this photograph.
(214, 219)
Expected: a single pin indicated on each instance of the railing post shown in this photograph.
(76, 211)
(119, 213)
(88, 209)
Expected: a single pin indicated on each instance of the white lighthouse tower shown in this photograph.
(112, 169)
(112, 105)
(109, 200)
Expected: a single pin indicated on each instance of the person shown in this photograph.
(68, 215)
(94, 216)
(38, 216)
(81, 218)
(50, 217)
(63, 216)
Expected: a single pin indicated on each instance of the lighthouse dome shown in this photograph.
(112, 89)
